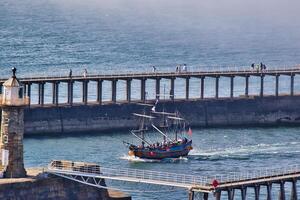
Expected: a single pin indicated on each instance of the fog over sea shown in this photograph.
(50, 37)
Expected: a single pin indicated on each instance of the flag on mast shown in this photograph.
(190, 132)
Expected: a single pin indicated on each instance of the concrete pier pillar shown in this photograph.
(114, 90)
(24, 89)
(282, 191)
(205, 196)
(202, 87)
(294, 195)
(29, 92)
(231, 86)
(172, 89)
(230, 193)
(99, 91)
(187, 88)
(247, 86)
(261, 94)
(256, 191)
(157, 88)
(191, 195)
(143, 89)
(276, 85)
(269, 191)
(85, 91)
(55, 92)
(217, 195)
(70, 92)
(243, 193)
(217, 87)
(41, 93)
(128, 90)
(292, 84)
(1, 85)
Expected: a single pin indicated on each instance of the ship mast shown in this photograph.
(142, 127)
(143, 130)
(164, 118)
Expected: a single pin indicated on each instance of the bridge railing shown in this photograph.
(256, 174)
(176, 179)
(155, 176)
(91, 169)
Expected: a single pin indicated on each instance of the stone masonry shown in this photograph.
(12, 131)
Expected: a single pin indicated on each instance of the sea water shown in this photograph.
(47, 38)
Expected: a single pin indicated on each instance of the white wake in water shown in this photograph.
(136, 159)
(288, 147)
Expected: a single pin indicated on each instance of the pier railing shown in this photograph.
(65, 90)
(162, 69)
(256, 174)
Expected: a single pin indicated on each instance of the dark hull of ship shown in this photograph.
(181, 150)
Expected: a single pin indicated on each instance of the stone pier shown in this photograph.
(142, 90)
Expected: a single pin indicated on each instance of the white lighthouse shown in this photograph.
(12, 103)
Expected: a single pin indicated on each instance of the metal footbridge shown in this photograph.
(92, 174)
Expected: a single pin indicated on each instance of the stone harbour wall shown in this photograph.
(52, 188)
(253, 111)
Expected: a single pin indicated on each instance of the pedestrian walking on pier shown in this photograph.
(84, 73)
(257, 68)
(184, 68)
(70, 73)
(154, 68)
(261, 66)
(252, 66)
(179, 68)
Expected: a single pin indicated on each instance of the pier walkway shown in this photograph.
(65, 95)
(198, 186)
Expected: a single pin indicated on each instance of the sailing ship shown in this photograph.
(170, 127)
